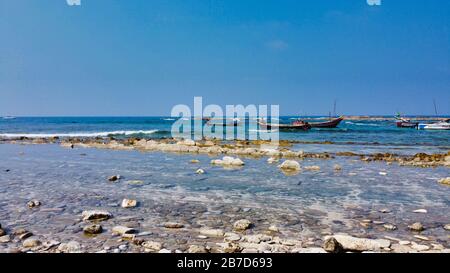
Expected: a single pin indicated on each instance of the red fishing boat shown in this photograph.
(327, 124)
(405, 123)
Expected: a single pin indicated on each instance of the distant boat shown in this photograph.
(405, 123)
(443, 125)
(9, 117)
(295, 126)
(328, 124)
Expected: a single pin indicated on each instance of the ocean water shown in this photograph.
(357, 136)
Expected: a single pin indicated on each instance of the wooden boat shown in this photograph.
(328, 124)
(295, 126)
(406, 124)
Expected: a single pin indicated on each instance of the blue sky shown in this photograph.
(141, 57)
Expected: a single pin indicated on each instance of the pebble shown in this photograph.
(128, 203)
(404, 243)
(173, 225)
(385, 210)
(447, 227)
(114, 178)
(390, 227)
(242, 225)
(202, 237)
(420, 211)
(93, 229)
(420, 247)
(420, 237)
(445, 181)
(33, 204)
(232, 237)
(383, 173)
(165, 251)
(123, 247)
(274, 228)
(416, 227)
(22, 233)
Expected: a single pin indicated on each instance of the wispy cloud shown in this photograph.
(277, 45)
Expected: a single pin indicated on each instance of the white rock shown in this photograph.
(290, 165)
(31, 242)
(231, 237)
(200, 171)
(228, 161)
(272, 160)
(128, 203)
(274, 228)
(383, 173)
(187, 142)
(121, 230)
(361, 244)
(70, 247)
(197, 249)
(312, 168)
(5, 239)
(420, 211)
(242, 225)
(420, 247)
(445, 181)
(337, 167)
(164, 251)
(153, 246)
(98, 215)
(211, 232)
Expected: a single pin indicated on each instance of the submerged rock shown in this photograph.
(390, 227)
(337, 167)
(350, 243)
(121, 230)
(114, 178)
(211, 232)
(242, 225)
(128, 203)
(445, 181)
(312, 168)
(194, 161)
(416, 227)
(93, 229)
(33, 204)
(96, 215)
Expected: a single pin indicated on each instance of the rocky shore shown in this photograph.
(169, 223)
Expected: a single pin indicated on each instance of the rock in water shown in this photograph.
(96, 215)
(416, 227)
(242, 225)
(2, 232)
(70, 247)
(194, 161)
(350, 243)
(445, 181)
(312, 168)
(114, 178)
(197, 249)
(5, 239)
(121, 230)
(333, 246)
(337, 167)
(420, 211)
(290, 165)
(447, 227)
(272, 160)
(129, 203)
(93, 229)
(390, 227)
(228, 161)
(33, 204)
(173, 225)
(200, 171)
(212, 232)
(31, 242)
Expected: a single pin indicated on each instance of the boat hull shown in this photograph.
(434, 126)
(285, 127)
(329, 124)
(405, 124)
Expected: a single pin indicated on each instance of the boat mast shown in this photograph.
(435, 107)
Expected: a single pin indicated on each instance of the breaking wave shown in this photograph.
(93, 134)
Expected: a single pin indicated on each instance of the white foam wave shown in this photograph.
(93, 134)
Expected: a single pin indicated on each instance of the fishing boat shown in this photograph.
(328, 124)
(443, 125)
(405, 123)
(297, 125)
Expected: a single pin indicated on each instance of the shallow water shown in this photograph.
(68, 181)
